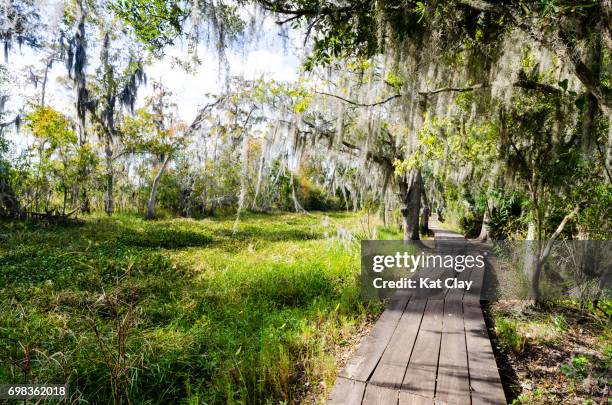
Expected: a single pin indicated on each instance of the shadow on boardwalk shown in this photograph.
(425, 350)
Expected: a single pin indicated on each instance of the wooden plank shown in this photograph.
(432, 274)
(477, 277)
(458, 293)
(377, 395)
(485, 382)
(361, 365)
(347, 392)
(420, 377)
(408, 398)
(390, 370)
(453, 379)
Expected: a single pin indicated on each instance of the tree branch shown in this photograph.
(563, 46)
(454, 89)
(379, 158)
(358, 104)
(557, 232)
(522, 82)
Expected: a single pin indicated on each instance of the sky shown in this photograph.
(270, 56)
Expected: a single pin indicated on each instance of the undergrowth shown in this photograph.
(180, 311)
(559, 352)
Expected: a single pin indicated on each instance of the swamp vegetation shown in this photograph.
(151, 257)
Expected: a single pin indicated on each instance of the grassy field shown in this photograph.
(180, 311)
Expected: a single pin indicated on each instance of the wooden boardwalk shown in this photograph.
(425, 350)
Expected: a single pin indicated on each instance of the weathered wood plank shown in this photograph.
(390, 370)
(408, 398)
(420, 377)
(458, 293)
(377, 395)
(453, 379)
(347, 392)
(477, 277)
(362, 363)
(485, 382)
(428, 347)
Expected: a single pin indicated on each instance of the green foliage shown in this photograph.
(509, 334)
(179, 310)
(159, 23)
(607, 351)
(394, 81)
(49, 125)
(505, 221)
(60, 159)
(156, 23)
(560, 323)
(576, 369)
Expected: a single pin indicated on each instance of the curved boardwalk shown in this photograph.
(425, 350)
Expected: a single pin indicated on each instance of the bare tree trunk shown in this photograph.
(109, 179)
(65, 198)
(486, 218)
(38, 186)
(534, 286)
(43, 87)
(153, 195)
(346, 203)
(532, 265)
(296, 204)
(81, 98)
(538, 253)
(410, 197)
(484, 228)
(254, 205)
(531, 254)
(609, 146)
(425, 212)
(244, 158)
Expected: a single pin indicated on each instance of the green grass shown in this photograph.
(180, 311)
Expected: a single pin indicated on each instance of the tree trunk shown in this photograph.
(254, 204)
(85, 204)
(531, 253)
(410, 197)
(609, 146)
(532, 265)
(536, 254)
(485, 228)
(296, 203)
(425, 212)
(244, 172)
(109, 180)
(153, 195)
(534, 286)
(43, 88)
(346, 203)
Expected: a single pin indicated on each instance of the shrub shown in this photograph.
(560, 323)
(509, 334)
(576, 369)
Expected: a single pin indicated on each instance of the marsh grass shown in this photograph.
(179, 310)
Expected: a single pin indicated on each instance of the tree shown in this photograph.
(20, 22)
(155, 130)
(9, 202)
(116, 86)
(578, 34)
(58, 152)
